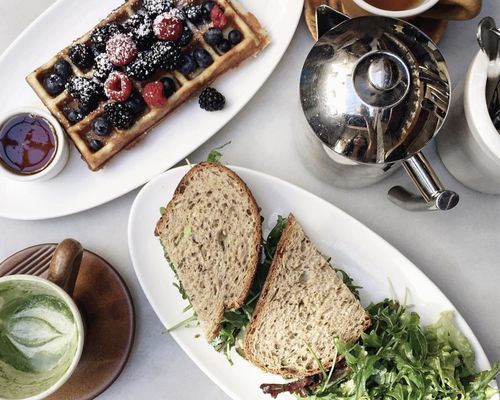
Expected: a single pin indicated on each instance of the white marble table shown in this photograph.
(458, 250)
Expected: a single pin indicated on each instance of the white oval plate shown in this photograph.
(370, 260)
(77, 188)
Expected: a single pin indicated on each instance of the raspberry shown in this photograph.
(211, 100)
(118, 86)
(121, 50)
(167, 27)
(153, 94)
(218, 18)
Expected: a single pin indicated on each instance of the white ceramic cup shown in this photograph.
(469, 144)
(63, 271)
(361, 7)
(61, 154)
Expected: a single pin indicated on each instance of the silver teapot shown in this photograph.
(374, 91)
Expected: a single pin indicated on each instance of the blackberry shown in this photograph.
(63, 69)
(136, 103)
(81, 55)
(85, 91)
(211, 100)
(102, 67)
(195, 13)
(142, 67)
(155, 7)
(166, 55)
(186, 37)
(140, 28)
(53, 84)
(120, 115)
(103, 33)
(213, 36)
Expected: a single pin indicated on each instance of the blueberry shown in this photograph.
(203, 57)
(63, 69)
(186, 37)
(213, 36)
(102, 126)
(136, 103)
(188, 64)
(234, 37)
(53, 84)
(168, 86)
(224, 46)
(95, 144)
(72, 115)
(208, 5)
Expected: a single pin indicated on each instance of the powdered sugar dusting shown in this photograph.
(121, 49)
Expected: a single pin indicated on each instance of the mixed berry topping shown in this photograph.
(142, 67)
(154, 95)
(213, 36)
(63, 69)
(187, 64)
(166, 55)
(234, 37)
(168, 86)
(95, 144)
(186, 37)
(219, 20)
(53, 84)
(136, 103)
(85, 91)
(118, 86)
(167, 27)
(140, 28)
(102, 67)
(203, 58)
(195, 13)
(101, 126)
(72, 115)
(155, 7)
(119, 115)
(103, 33)
(121, 50)
(82, 56)
(211, 100)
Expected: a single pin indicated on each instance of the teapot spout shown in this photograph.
(327, 18)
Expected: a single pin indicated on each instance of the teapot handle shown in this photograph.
(65, 264)
(433, 195)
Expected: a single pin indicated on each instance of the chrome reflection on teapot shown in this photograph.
(375, 91)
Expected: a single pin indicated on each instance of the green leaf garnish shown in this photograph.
(214, 157)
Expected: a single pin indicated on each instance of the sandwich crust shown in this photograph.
(303, 303)
(211, 230)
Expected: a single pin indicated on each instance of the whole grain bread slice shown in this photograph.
(303, 306)
(211, 231)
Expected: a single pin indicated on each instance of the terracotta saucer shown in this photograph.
(108, 313)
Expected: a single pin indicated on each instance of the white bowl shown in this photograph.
(426, 5)
(62, 149)
(469, 144)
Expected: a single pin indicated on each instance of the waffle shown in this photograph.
(81, 133)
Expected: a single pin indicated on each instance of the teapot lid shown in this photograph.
(375, 89)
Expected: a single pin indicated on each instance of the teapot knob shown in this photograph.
(383, 74)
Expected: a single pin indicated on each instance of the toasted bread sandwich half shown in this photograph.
(303, 306)
(211, 233)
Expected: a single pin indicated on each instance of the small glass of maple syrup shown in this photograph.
(33, 146)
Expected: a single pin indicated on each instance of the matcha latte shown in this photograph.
(40, 337)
